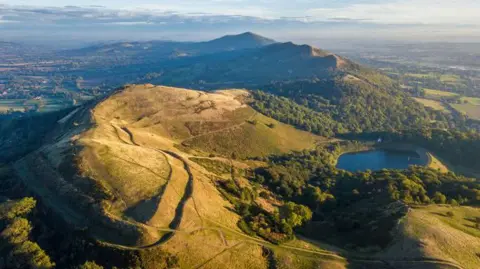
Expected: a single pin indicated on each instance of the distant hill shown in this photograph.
(259, 66)
(348, 96)
(172, 49)
(246, 40)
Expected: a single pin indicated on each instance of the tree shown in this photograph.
(439, 198)
(29, 254)
(295, 215)
(17, 232)
(21, 208)
(90, 265)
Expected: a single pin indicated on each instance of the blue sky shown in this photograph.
(302, 20)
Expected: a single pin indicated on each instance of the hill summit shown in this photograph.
(244, 40)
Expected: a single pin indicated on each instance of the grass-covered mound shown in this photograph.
(256, 136)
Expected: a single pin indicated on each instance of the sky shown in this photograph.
(77, 22)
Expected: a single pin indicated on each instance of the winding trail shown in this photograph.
(322, 254)
(187, 195)
(175, 223)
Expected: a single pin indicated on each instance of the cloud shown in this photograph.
(343, 19)
(302, 20)
(386, 12)
(131, 23)
(406, 12)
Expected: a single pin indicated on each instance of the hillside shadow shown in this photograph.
(438, 214)
(144, 210)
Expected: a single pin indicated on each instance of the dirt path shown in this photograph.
(177, 219)
(173, 228)
(187, 194)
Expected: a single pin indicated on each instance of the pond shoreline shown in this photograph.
(423, 154)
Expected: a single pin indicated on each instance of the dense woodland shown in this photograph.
(365, 111)
(343, 106)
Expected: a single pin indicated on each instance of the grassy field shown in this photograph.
(423, 76)
(471, 100)
(438, 93)
(44, 105)
(470, 106)
(471, 110)
(436, 164)
(450, 78)
(254, 137)
(14, 104)
(444, 78)
(432, 104)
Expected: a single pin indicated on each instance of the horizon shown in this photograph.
(63, 25)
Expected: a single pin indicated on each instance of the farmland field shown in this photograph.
(418, 75)
(449, 78)
(472, 100)
(44, 105)
(438, 93)
(471, 110)
(432, 104)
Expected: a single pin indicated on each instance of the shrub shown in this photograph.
(245, 228)
(90, 265)
(21, 208)
(17, 232)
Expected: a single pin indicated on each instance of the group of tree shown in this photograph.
(343, 106)
(16, 246)
(310, 178)
(276, 227)
(351, 201)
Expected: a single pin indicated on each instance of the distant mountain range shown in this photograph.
(159, 49)
(244, 60)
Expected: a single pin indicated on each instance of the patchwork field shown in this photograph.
(418, 75)
(43, 105)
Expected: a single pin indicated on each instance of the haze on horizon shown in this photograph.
(71, 23)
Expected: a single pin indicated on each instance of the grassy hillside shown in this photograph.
(440, 232)
(256, 136)
(193, 179)
(116, 170)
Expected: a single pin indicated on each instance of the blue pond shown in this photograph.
(378, 160)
